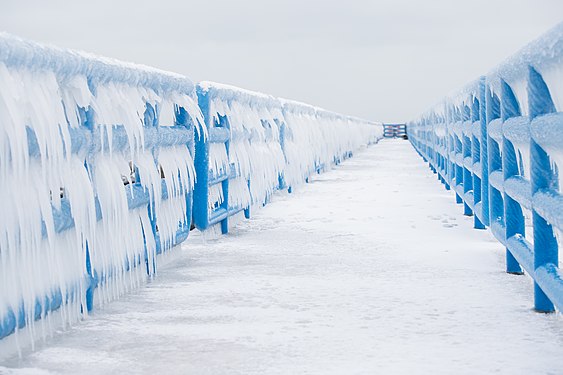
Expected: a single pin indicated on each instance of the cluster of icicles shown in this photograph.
(42, 175)
(69, 229)
(276, 142)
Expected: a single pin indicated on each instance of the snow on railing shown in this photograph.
(498, 143)
(97, 172)
(258, 144)
(340, 136)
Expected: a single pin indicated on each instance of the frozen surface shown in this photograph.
(66, 219)
(20, 53)
(371, 268)
(275, 141)
(544, 54)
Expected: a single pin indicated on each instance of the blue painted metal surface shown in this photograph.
(394, 130)
(219, 132)
(247, 107)
(496, 144)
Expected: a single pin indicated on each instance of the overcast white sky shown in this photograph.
(386, 60)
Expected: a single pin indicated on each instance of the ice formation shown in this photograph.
(93, 187)
(273, 143)
(523, 133)
(97, 171)
(305, 125)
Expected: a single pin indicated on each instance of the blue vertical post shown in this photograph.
(514, 218)
(476, 155)
(484, 152)
(225, 204)
(458, 150)
(432, 131)
(283, 136)
(437, 145)
(424, 148)
(247, 213)
(91, 281)
(444, 155)
(466, 153)
(151, 119)
(448, 148)
(201, 162)
(543, 178)
(428, 127)
(182, 118)
(496, 206)
(87, 117)
(225, 183)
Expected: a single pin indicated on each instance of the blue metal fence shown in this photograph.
(297, 140)
(394, 130)
(87, 141)
(498, 144)
(161, 130)
(219, 132)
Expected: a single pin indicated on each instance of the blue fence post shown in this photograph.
(514, 218)
(446, 149)
(433, 152)
(201, 163)
(424, 142)
(543, 178)
(182, 118)
(150, 119)
(87, 118)
(247, 212)
(496, 205)
(225, 185)
(90, 282)
(458, 152)
(484, 157)
(476, 157)
(466, 157)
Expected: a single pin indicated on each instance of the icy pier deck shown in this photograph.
(371, 268)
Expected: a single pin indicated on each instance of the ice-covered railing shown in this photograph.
(96, 177)
(238, 163)
(257, 144)
(97, 172)
(498, 144)
(314, 139)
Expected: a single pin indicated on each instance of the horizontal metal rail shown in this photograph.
(394, 130)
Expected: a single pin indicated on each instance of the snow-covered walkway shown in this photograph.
(371, 268)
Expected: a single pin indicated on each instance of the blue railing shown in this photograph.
(257, 144)
(394, 130)
(98, 172)
(498, 144)
(53, 176)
